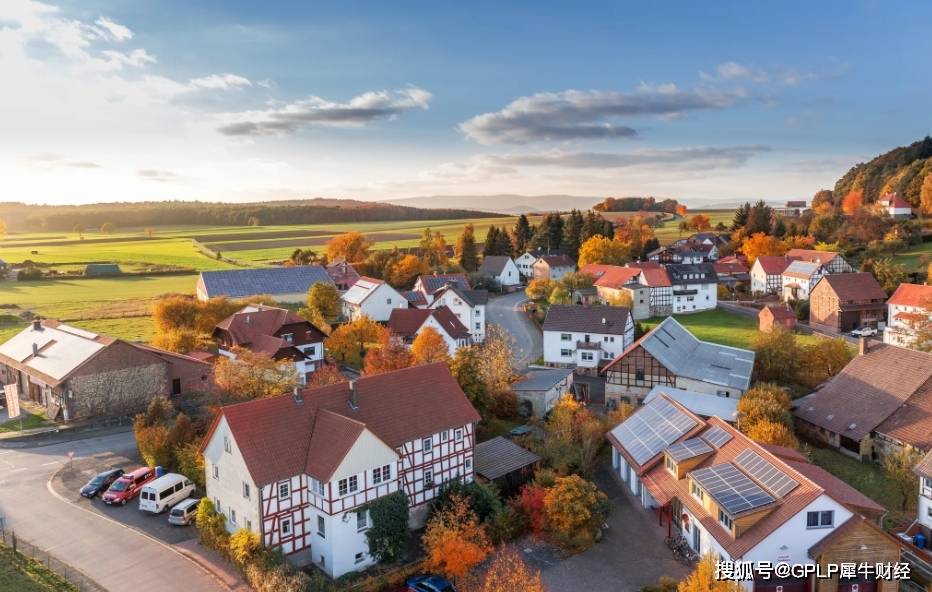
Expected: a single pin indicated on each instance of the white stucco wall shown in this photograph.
(228, 487)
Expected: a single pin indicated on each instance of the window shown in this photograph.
(478, 326)
(566, 337)
(428, 478)
(246, 490)
(427, 444)
(360, 557)
(725, 519)
(217, 505)
(458, 435)
(671, 465)
(312, 351)
(288, 337)
(321, 527)
(388, 301)
(606, 355)
(232, 516)
(343, 487)
(824, 519)
(226, 444)
(444, 435)
(696, 491)
(353, 483)
(639, 375)
(468, 464)
(566, 353)
(380, 474)
(216, 472)
(248, 524)
(176, 386)
(286, 526)
(362, 521)
(284, 489)
(587, 356)
(318, 487)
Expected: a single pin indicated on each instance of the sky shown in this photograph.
(118, 100)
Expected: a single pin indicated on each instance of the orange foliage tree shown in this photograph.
(352, 246)
(681, 209)
(454, 541)
(766, 431)
(326, 374)
(403, 272)
(700, 222)
(509, 573)
(761, 244)
(429, 346)
(349, 342)
(531, 503)
(254, 375)
(575, 511)
(391, 354)
(853, 201)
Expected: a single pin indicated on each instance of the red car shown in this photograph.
(128, 486)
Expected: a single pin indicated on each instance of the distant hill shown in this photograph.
(504, 203)
(19, 216)
(901, 170)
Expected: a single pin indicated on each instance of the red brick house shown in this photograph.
(846, 301)
(776, 316)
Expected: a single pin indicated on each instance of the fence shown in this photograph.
(78, 578)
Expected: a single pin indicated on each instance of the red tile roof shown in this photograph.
(278, 438)
(252, 322)
(774, 265)
(617, 276)
(656, 277)
(558, 261)
(895, 200)
(730, 267)
(811, 255)
(406, 322)
(779, 312)
(854, 286)
(912, 295)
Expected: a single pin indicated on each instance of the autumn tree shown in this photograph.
(540, 289)
(700, 222)
(703, 579)
(352, 246)
(852, 201)
(429, 346)
(768, 432)
(433, 248)
(824, 359)
(349, 342)
(466, 368)
(254, 375)
(79, 229)
(107, 228)
(925, 195)
(404, 271)
(889, 274)
(454, 541)
(183, 323)
(575, 510)
(391, 354)
(600, 249)
(509, 573)
(681, 210)
(898, 465)
(465, 249)
(761, 244)
(778, 356)
(325, 375)
(325, 299)
(764, 402)
(496, 356)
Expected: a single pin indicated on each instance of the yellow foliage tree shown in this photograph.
(429, 346)
(703, 579)
(454, 541)
(599, 249)
(351, 246)
(254, 375)
(925, 196)
(325, 299)
(509, 573)
(403, 272)
(349, 342)
(766, 431)
(761, 244)
(575, 509)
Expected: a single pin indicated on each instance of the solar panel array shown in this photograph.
(763, 471)
(717, 436)
(688, 449)
(652, 428)
(731, 489)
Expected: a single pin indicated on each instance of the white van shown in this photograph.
(164, 492)
(183, 512)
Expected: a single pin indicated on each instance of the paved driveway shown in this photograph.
(631, 555)
(507, 311)
(115, 556)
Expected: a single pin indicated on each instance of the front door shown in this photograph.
(697, 539)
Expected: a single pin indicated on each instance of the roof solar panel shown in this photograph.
(717, 436)
(731, 489)
(652, 428)
(763, 471)
(688, 449)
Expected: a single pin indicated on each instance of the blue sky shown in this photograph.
(234, 100)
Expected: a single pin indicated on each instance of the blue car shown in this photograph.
(429, 584)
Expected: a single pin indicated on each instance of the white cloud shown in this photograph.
(734, 71)
(113, 30)
(356, 112)
(220, 82)
(586, 115)
(137, 58)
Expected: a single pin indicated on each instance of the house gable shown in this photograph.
(366, 452)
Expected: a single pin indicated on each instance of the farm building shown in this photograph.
(102, 269)
(540, 388)
(552, 267)
(847, 301)
(343, 274)
(776, 316)
(506, 464)
(283, 284)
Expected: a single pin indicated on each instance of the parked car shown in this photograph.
(864, 332)
(128, 486)
(429, 583)
(184, 511)
(100, 482)
(164, 492)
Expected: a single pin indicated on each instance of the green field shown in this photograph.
(718, 326)
(916, 257)
(21, 574)
(669, 231)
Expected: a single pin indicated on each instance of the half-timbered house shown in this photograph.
(299, 469)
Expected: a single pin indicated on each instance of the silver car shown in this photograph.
(183, 512)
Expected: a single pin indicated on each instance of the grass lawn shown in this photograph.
(21, 574)
(722, 327)
(668, 231)
(30, 420)
(911, 257)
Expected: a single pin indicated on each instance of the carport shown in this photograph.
(504, 463)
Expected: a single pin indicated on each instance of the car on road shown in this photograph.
(164, 492)
(184, 511)
(100, 482)
(864, 332)
(128, 486)
(429, 583)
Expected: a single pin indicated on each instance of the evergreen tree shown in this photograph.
(466, 250)
(491, 241)
(572, 234)
(504, 243)
(555, 231)
(759, 219)
(523, 233)
(741, 217)
(596, 225)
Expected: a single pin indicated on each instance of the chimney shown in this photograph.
(36, 324)
(353, 403)
(247, 319)
(35, 350)
(296, 395)
(603, 320)
(863, 346)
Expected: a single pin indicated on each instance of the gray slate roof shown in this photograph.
(239, 283)
(702, 404)
(685, 355)
(541, 379)
(692, 273)
(499, 456)
(587, 319)
(494, 264)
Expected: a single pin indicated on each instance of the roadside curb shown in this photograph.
(205, 567)
(38, 439)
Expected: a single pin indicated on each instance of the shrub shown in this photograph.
(190, 463)
(482, 498)
(507, 524)
(243, 546)
(531, 503)
(504, 404)
(389, 532)
(211, 526)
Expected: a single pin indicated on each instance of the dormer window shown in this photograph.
(288, 337)
(671, 465)
(696, 491)
(724, 519)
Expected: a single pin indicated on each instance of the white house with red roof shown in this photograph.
(895, 206)
(832, 261)
(660, 288)
(908, 310)
(615, 282)
(299, 469)
(373, 298)
(727, 495)
(767, 274)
